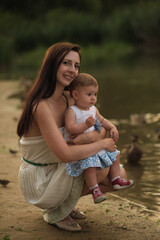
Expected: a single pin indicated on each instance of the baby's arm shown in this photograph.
(74, 128)
(108, 126)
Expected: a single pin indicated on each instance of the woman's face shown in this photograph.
(68, 69)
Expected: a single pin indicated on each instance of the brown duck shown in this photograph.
(132, 152)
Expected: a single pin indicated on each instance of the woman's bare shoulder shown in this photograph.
(34, 129)
(41, 107)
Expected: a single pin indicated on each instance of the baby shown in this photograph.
(84, 117)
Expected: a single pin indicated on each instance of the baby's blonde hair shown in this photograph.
(83, 80)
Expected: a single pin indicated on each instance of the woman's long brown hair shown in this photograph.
(45, 82)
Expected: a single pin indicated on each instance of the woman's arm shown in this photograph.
(49, 130)
(88, 137)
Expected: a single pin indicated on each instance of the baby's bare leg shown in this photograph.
(101, 176)
(90, 176)
(115, 168)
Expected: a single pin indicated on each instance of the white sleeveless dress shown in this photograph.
(47, 187)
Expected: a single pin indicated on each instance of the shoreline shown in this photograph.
(138, 205)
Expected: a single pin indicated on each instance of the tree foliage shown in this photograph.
(37, 8)
(27, 25)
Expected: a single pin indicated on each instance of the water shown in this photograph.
(124, 91)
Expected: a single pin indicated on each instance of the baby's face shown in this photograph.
(86, 97)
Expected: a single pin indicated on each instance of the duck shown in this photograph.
(133, 152)
(4, 183)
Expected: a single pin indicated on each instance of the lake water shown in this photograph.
(128, 90)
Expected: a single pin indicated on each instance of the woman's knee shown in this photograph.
(102, 174)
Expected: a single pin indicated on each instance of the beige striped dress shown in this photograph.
(47, 187)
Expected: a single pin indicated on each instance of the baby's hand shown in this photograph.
(90, 121)
(114, 134)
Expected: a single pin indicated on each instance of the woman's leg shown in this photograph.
(104, 181)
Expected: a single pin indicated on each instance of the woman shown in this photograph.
(42, 176)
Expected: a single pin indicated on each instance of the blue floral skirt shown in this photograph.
(102, 159)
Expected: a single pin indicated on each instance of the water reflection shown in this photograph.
(124, 92)
(146, 174)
